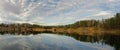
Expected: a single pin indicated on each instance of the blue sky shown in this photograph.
(56, 12)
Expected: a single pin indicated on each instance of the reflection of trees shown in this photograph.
(112, 40)
(109, 39)
(87, 38)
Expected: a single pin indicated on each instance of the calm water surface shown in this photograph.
(48, 41)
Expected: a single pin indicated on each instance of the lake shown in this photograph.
(51, 41)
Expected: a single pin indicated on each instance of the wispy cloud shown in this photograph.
(53, 12)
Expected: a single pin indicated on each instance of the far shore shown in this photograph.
(79, 30)
(83, 27)
(85, 31)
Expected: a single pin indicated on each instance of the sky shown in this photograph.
(56, 12)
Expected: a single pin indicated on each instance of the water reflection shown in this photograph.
(46, 41)
(108, 39)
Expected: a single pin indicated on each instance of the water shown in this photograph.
(48, 41)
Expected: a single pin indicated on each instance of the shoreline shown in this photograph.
(79, 30)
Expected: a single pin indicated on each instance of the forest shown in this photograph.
(112, 23)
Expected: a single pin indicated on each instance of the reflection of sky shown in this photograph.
(46, 42)
(55, 12)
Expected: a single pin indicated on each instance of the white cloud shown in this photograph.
(10, 7)
(0, 20)
(112, 0)
(98, 16)
(102, 13)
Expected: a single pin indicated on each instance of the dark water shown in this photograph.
(48, 41)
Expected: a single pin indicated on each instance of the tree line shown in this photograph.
(110, 23)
